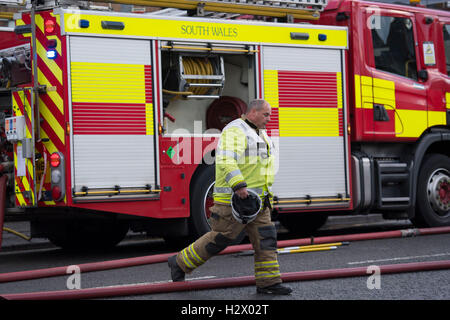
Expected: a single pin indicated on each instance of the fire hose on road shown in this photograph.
(139, 289)
(159, 258)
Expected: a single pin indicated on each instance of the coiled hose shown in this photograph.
(198, 66)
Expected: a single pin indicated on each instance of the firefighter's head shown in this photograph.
(258, 112)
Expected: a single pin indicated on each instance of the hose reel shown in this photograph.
(224, 110)
(200, 77)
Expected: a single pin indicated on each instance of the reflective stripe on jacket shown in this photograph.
(243, 156)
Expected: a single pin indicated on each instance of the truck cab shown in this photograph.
(399, 117)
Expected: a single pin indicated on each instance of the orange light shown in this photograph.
(55, 160)
(49, 26)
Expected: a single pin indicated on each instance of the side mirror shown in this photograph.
(423, 75)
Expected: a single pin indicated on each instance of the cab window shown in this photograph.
(447, 47)
(393, 46)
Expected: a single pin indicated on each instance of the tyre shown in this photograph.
(303, 224)
(433, 192)
(201, 200)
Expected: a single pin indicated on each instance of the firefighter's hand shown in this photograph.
(242, 193)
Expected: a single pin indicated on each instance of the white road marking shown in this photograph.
(155, 282)
(401, 258)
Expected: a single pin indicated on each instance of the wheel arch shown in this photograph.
(436, 140)
(207, 160)
(197, 227)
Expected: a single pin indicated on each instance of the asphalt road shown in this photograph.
(430, 285)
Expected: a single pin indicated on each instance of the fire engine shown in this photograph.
(110, 120)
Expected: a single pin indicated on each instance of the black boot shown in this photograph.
(176, 272)
(275, 289)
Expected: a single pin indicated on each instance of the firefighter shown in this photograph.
(245, 164)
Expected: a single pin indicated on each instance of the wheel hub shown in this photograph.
(439, 191)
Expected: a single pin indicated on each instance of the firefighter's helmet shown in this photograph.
(246, 210)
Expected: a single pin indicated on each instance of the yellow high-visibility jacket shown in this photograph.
(243, 159)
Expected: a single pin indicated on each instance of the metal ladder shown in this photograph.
(290, 9)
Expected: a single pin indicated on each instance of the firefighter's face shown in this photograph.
(260, 117)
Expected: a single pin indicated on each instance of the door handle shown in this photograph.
(380, 113)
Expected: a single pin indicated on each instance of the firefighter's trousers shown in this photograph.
(225, 229)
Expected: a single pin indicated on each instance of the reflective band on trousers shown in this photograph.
(190, 258)
(267, 269)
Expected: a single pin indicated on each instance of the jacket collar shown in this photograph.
(251, 125)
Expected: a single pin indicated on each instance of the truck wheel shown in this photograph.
(433, 192)
(201, 201)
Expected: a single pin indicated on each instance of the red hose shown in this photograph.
(3, 180)
(130, 262)
(342, 238)
(92, 293)
(86, 267)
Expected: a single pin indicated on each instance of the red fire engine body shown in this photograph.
(119, 128)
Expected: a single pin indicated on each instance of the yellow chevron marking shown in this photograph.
(48, 145)
(56, 126)
(30, 169)
(57, 100)
(51, 64)
(17, 111)
(53, 95)
(27, 184)
(21, 199)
